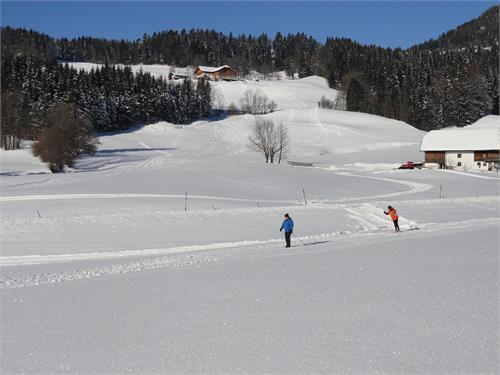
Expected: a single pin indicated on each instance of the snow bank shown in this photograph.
(20, 162)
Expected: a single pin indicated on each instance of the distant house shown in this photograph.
(176, 75)
(222, 72)
(180, 73)
(462, 149)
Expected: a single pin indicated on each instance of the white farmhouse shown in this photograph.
(462, 149)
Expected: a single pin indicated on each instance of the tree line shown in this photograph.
(450, 81)
(111, 98)
(429, 89)
(292, 53)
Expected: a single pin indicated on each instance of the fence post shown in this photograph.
(304, 194)
(186, 202)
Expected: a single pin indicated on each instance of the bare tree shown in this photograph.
(269, 139)
(217, 99)
(233, 108)
(246, 101)
(326, 103)
(284, 141)
(256, 102)
(66, 136)
(340, 101)
(272, 106)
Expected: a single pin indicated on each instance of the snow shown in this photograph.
(288, 94)
(156, 70)
(22, 161)
(464, 139)
(484, 134)
(102, 270)
(212, 69)
(270, 310)
(257, 76)
(487, 122)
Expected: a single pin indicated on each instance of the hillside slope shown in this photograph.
(478, 32)
(321, 136)
(162, 252)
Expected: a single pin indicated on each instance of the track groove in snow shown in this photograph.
(192, 255)
(126, 195)
(413, 187)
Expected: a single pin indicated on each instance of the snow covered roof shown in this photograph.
(461, 140)
(212, 69)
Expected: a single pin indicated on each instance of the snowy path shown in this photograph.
(412, 187)
(370, 228)
(128, 196)
(475, 175)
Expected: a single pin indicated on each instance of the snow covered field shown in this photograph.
(102, 269)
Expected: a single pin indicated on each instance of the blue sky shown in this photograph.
(385, 23)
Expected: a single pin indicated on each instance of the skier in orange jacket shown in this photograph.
(394, 216)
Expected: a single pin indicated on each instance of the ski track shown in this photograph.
(207, 253)
(34, 224)
(365, 217)
(314, 118)
(126, 195)
(469, 174)
(413, 187)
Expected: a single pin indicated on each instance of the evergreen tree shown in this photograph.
(355, 101)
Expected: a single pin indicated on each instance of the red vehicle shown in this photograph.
(407, 165)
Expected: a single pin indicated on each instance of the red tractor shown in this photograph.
(407, 165)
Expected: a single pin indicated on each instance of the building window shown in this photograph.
(479, 165)
(484, 164)
(459, 156)
(459, 164)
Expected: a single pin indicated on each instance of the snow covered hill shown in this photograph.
(19, 162)
(487, 122)
(303, 93)
(161, 252)
(321, 136)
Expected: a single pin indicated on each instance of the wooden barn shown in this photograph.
(462, 149)
(217, 73)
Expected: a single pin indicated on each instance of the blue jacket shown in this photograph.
(287, 225)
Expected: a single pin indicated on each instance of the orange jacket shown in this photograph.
(392, 212)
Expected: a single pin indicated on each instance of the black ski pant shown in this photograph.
(287, 238)
(396, 225)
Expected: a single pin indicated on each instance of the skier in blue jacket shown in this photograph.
(287, 226)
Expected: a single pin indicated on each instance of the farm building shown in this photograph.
(180, 73)
(222, 72)
(462, 149)
(177, 75)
